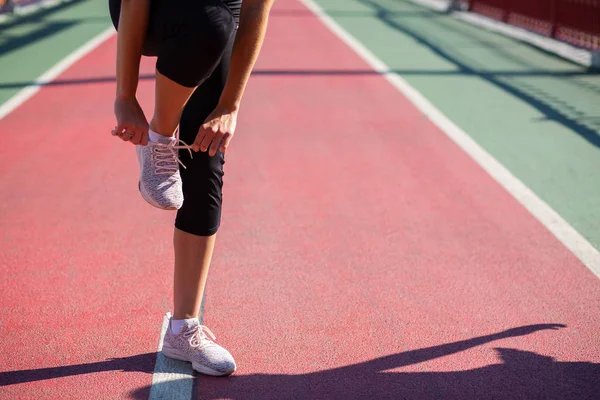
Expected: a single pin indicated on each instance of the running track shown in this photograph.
(362, 253)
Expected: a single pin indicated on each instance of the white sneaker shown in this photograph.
(193, 345)
(160, 182)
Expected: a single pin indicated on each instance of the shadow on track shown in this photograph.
(519, 375)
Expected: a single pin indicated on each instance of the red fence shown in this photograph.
(573, 21)
(4, 6)
(3, 2)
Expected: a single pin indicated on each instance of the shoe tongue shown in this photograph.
(167, 140)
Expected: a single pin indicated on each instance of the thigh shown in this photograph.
(171, 21)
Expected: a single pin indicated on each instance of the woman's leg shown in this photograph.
(192, 261)
(193, 37)
(195, 230)
(198, 219)
(170, 97)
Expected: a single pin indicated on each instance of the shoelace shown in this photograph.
(198, 336)
(166, 158)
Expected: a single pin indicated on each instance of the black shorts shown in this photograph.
(192, 41)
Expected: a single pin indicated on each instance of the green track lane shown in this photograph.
(537, 114)
(32, 44)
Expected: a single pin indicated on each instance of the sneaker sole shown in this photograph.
(149, 200)
(173, 353)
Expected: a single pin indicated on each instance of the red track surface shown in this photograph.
(362, 254)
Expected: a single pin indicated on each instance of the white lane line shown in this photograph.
(563, 231)
(27, 92)
(172, 379)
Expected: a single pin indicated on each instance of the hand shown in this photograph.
(132, 125)
(526, 330)
(216, 132)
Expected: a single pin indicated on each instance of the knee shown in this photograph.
(202, 193)
(197, 221)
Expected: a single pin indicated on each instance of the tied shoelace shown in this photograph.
(198, 336)
(165, 157)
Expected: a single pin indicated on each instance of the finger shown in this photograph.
(138, 133)
(126, 135)
(199, 139)
(208, 138)
(216, 143)
(137, 137)
(226, 140)
(144, 138)
(118, 130)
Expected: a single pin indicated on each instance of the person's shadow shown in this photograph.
(518, 375)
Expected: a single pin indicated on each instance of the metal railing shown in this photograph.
(572, 21)
(9, 6)
(6, 6)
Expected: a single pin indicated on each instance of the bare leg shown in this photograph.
(192, 253)
(192, 261)
(170, 98)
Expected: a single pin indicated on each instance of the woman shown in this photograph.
(206, 50)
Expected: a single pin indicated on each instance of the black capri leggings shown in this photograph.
(193, 42)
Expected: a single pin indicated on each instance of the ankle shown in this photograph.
(161, 129)
(184, 315)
